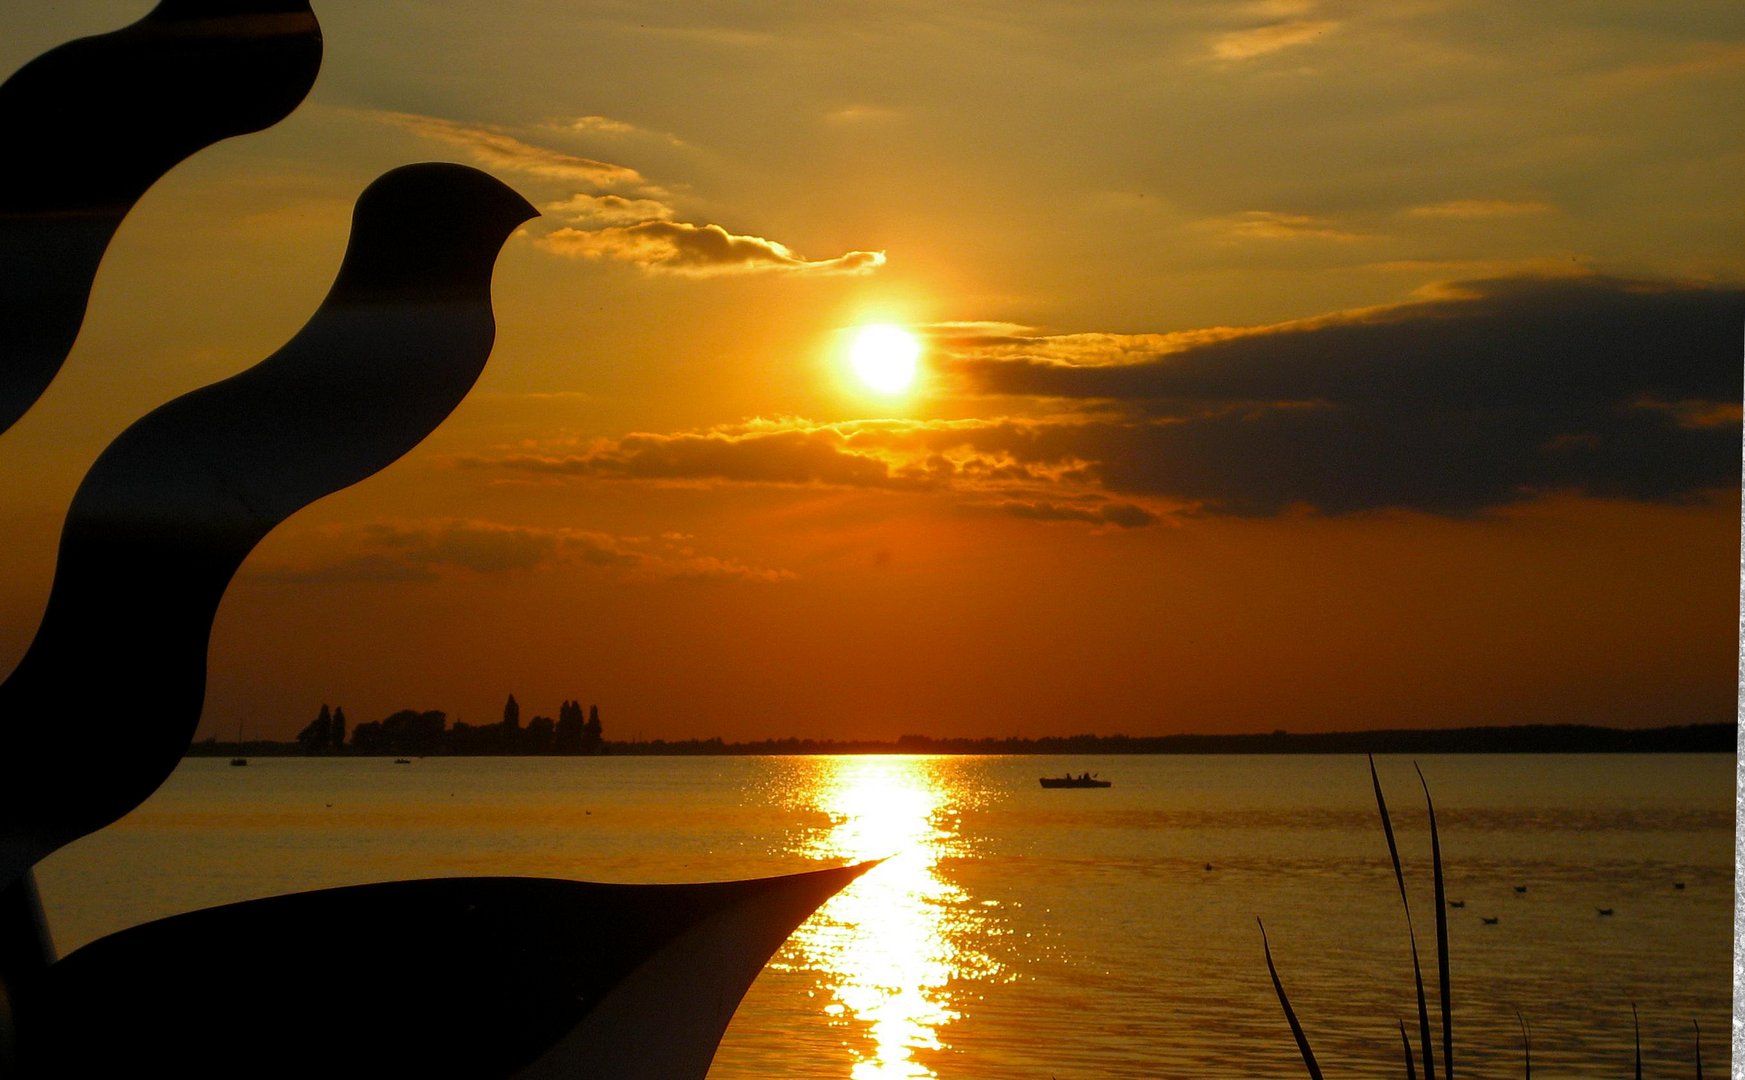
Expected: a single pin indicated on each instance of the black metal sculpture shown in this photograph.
(91, 125)
(478, 977)
(616, 981)
(173, 506)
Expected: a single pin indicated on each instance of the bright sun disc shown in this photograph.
(884, 357)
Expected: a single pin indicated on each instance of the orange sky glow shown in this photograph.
(1278, 365)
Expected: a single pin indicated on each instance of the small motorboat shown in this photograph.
(1069, 780)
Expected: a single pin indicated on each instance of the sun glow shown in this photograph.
(885, 357)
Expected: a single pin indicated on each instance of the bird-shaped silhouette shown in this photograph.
(1489, 920)
(1603, 910)
(565, 978)
(89, 126)
(458, 977)
(173, 506)
(1457, 903)
(1520, 889)
(561, 978)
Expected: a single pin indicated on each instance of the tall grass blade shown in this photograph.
(1290, 1015)
(1699, 1032)
(1406, 1045)
(1526, 1042)
(1387, 827)
(1636, 1020)
(1441, 934)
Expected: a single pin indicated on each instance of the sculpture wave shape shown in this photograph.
(91, 125)
(556, 978)
(170, 510)
(530, 978)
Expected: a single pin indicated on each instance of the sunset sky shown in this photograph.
(1282, 364)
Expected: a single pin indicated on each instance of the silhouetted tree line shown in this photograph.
(411, 733)
(324, 733)
(1522, 739)
(422, 734)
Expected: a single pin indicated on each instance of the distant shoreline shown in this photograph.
(1522, 739)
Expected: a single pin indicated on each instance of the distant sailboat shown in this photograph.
(239, 760)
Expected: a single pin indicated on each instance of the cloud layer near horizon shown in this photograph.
(390, 553)
(1468, 399)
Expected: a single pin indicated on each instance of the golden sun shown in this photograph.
(885, 356)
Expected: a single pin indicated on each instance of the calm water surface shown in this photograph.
(1022, 933)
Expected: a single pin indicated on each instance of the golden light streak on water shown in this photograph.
(887, 946)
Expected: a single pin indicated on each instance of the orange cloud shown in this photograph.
(585, 209)
(1696, 60)
(1009, 341)
(636, 229)
(606, 125)
(700, 250)
(497, 149)
(1480, 208)
(1273, 225)
(1261, 40)
(862, 114)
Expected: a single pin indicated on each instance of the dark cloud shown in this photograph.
(419, 552)
(1494, 392)
(393, 553)
(372, 568)
(1124, 515)
(1482, 395)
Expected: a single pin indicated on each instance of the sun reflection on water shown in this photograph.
(889, 947)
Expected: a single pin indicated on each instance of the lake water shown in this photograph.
(1021, 933)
